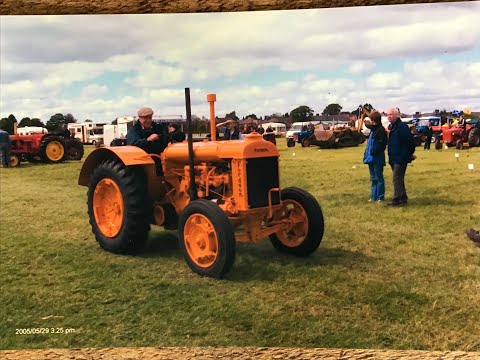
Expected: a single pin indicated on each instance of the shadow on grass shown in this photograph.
(262, 262)
(429, 201)
(161, 244)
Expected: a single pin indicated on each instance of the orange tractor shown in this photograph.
(214, 192)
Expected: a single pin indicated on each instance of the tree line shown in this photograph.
(54, 124)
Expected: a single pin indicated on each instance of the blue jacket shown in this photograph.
(401, 144)
(377, 142)
(137, 136)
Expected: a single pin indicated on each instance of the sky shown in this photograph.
(417, 57)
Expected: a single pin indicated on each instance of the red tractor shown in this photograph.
(47, 148)
(457, 136)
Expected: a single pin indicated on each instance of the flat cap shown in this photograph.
(145, 111)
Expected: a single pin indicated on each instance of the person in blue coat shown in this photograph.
(375, 156)
(401, 147)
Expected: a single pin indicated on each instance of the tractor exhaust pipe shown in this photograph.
(193, 185)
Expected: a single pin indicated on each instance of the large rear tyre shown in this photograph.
(52, 149)
(306, 231)
(474, 138)
(75, 150)
(207, 239)
(118, 207)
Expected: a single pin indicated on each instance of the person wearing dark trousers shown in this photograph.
(149, 136)
(375, 156)
(5, 146)
(429, 134)
(401, 147)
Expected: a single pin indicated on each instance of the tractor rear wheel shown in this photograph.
(207, 239)
(52, 149)
(474, 138)
(14, 160)
(307, 225)
(290, 142)
(75, 150)
(118, 207)
(438, 144)
(459, 144)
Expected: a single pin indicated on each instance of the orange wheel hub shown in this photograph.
(54, 151)
(108, 207)
(200, 240)
(298, 229)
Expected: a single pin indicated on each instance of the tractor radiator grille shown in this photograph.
(262, 175)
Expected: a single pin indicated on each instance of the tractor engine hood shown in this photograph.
(254, 146)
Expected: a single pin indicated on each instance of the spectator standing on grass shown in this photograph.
(429, 134)
(269, 129)
(401, 147)
(5, 146)
(231, 132)
(375, 156)
(260, 129)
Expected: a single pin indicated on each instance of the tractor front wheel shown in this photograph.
(290, 142)
(207, 239)
(438, 144)
(459, 144)
(14, 160)
(306, 223)
(118, 207)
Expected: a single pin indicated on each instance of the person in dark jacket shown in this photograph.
(375, 156)
(429, 134)
(5, 147)
(401, 147)
(148, 135)
(174, 133)
(231, 132)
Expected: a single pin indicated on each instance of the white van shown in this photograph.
(279, 129)
(29, 130)
(297, 126)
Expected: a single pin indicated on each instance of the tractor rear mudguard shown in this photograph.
(129, 155)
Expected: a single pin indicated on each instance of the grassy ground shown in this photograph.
(401, 278)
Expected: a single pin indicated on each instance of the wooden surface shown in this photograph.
(31, 7)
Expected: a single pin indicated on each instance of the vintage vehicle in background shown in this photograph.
(214, 192)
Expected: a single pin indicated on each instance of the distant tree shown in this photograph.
(114, 122)
(301, 113)
(69, 118)
(286, 115)
(7, 123)
(232, 115)
(253, 116)
(55, 123)
(332, 109)
(88, 120)
(37, 122)
(26, 121)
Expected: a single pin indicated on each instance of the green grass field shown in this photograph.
(385, 278)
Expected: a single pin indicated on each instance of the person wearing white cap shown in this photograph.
(232, 132)
(148, 135)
